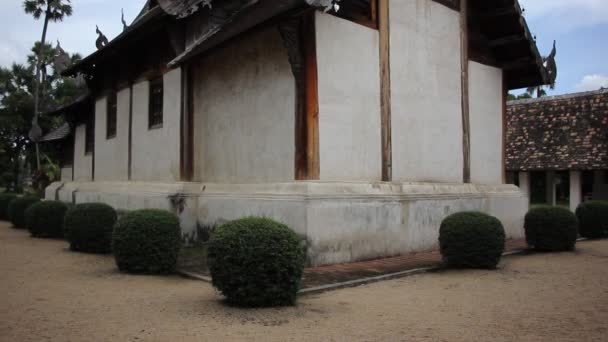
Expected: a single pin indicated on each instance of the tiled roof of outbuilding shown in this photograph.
(568, 132)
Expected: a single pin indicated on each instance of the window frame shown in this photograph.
(111, 114)
(155, 103)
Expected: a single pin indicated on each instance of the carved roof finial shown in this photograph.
(102, 40)
(122, 19)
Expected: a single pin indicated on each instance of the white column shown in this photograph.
(550, 179)
(524, 184)
(576, 191)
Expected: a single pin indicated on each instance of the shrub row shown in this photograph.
(551, 228)
(593, 219)
(16, 210)
(5, 199)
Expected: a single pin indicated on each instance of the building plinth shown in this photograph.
(341, 221)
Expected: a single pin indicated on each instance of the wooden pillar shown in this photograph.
(299, 38)
(130, 141)
(309, 44)
(186, 125)
(385, 89)
(505, 94)
(464, 60)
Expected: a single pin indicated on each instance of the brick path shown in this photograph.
(325, 275)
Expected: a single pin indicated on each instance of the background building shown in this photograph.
(557, 147)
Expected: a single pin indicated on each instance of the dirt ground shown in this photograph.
(49, 293)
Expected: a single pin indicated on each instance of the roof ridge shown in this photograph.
(558, 97)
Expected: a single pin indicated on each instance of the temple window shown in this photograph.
(155, 111)
(111, 115)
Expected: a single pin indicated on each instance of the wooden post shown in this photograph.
(186, 126)
(130, 152)
(464, 47)
(505, 93)
(299, 38)
(385, 89)
(309, 46)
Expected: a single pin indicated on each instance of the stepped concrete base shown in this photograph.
(341, 221)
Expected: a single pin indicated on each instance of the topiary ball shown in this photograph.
(88, 227)
(45, 219)
(551, 229)
(17, 207)
(593, 219)
(147, 242)
(471, 240)
(5, 199)
(256, 262)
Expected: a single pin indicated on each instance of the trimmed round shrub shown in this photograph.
(471, 240)
(5, 199)
(551, 229)
(17, 207)
(256, 262)
(88, 227)
(593, 219)
(45, 219)
(147, 242)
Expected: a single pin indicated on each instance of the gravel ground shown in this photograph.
(49, 293)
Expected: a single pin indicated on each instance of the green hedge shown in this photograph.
(256, 262)
(5, 199)
(471, 240)
(88, 227)
(593, 219)
(45, 219)
(147, 241)
(551, 228)
(17, 207)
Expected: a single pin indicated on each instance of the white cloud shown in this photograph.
(592, 82)
(568, 13)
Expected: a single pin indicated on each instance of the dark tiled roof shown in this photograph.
(60, 133)
(568, 132)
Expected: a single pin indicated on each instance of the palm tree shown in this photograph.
(53, 10)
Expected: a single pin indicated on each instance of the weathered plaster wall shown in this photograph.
(244, 103)
(156, 152)
(485, 115)
(425, 92)
(83, 163)
(349, 100)
(66, 174)
(112, 155)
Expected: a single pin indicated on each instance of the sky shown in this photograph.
(580, 28)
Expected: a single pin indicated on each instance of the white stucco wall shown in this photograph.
(425, 92)
(112, 155)
(83, 163)
(66, 174)
(349, 100)
(244, 105)
(156, 152)
(485, 116)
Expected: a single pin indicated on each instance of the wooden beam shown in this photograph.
(464, 60)
(385, 90)
(507, 40)
(309, 46)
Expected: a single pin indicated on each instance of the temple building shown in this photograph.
(361, 126)
(557, 147)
